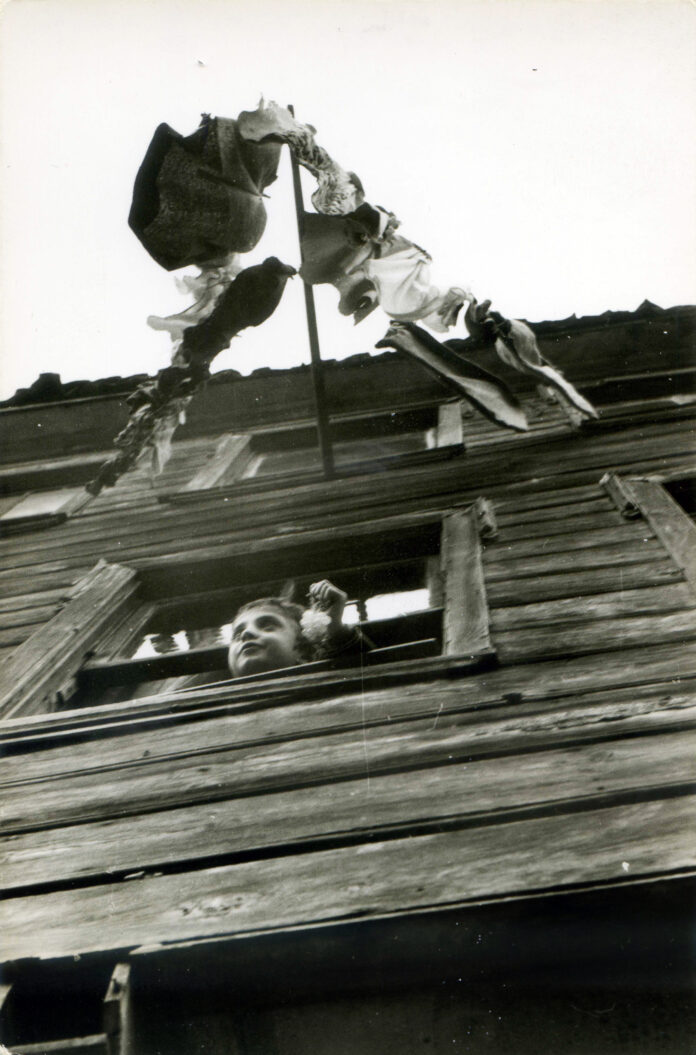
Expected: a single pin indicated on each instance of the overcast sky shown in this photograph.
(543, 152)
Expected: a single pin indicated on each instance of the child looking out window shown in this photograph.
(272, 633)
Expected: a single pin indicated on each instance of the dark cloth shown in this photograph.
(198, 198)
(250, 299)
(333, 246)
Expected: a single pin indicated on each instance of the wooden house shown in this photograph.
(477, 838)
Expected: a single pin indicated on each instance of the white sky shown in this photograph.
(543, 152)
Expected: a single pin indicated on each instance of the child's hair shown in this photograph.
(291, 611)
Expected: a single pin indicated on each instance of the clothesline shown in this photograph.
(199, 200)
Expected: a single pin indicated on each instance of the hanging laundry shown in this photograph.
(208, 286)
(158, 406)
(359, 296)
(487, 393)
(200, 197)
(516, 345)
(334, 246)
(250, 300)
(406, 294)
(339, 191)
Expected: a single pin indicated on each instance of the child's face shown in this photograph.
(263, 639)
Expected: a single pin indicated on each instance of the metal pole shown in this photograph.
(316, 364)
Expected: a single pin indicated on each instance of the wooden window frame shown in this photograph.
(72, 502)
(647, 497)
(224, 471)
(42, 672)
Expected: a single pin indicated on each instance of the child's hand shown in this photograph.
(326, 597)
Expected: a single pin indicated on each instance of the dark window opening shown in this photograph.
(396, 603)
(683, 491)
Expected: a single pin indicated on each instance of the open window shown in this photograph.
(289, 455)
(415, 588)
(668, 502)
(39, 509)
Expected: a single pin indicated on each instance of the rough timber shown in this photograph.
(490, 853)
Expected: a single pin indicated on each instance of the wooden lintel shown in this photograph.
(41, 665)
(465, 625)
(620, 495)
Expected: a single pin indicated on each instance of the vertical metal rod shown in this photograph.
(316, 364)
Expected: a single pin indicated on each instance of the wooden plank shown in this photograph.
(92, 1045)
(403, 875)
(443, 481)
(449, 428)
(523, 645)
(584, 583)
(675, 529)
(375, 807)
(226, 769)
(232, 454)
(576, 687)
(624, 502)
(53, 652)
(507, 548)
(511, 566)
(600, 519)
(654, 600)
(287, 710)
(116, 1010)
(465, 619)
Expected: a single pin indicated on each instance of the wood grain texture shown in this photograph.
(284, 710)
(675, 529)
(465, 619)
(472, 794)
(223, 769)
(404, 875)
(55, 651)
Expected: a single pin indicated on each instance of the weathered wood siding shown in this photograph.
(215, 813)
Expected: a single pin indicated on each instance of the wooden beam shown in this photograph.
(92, 1045)
(231, 456)
(674, 528)
(625, 843)
(464, 794)
(116, 1010)
(465, 624)
(449, 429)
(53, 653)
(620, 495)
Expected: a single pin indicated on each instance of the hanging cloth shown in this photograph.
(207, 287)
(406, 294)
(335, 246)
(338, 191)
(486, 392)
(516, 345)
(200, 197)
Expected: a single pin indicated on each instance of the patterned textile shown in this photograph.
(196, 199)
(338, 192)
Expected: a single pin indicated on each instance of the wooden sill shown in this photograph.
(233, 696)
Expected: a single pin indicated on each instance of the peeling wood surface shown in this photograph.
(40, 664)
(465, 619)
(223, 768)
(374, 879)
(671, 524)
(473, 794)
